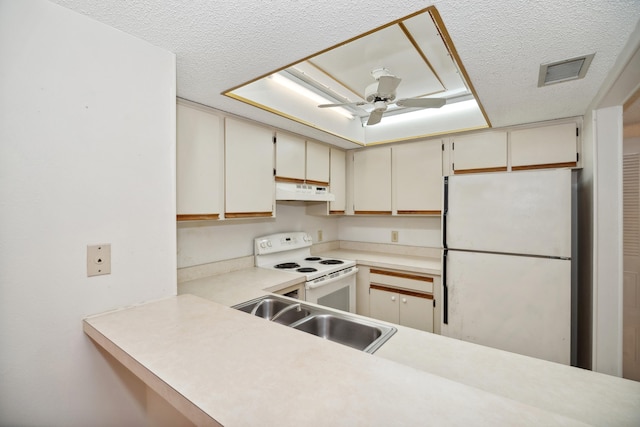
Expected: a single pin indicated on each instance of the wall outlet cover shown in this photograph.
(98, 259)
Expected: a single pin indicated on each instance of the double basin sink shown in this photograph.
(340, 327)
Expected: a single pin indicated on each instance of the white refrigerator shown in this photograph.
(509, 261)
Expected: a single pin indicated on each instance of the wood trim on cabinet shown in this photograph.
(402, 275)
(321, 183)
(336, 212)
(291, 180)
(403, 212)
(545, 166)
(480, 170)
(301, 181)
(372, 212)
(400, 291)
(196, 217)
(247, 214)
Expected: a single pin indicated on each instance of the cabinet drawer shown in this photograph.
(402, 280)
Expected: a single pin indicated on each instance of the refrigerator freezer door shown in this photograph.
(521, 213)
(514, 303)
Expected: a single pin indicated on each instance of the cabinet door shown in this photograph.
(199, 151)
(372, 181)
(317, 163)
(383, 305)
(416, 312)
(338, 181)
(248, 170)
(417, 177)
(481, 152)
(290, 158)
(549, 146)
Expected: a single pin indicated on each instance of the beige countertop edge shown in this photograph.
(181, 403)
(547, 391)
(354, 384)
(408, 263)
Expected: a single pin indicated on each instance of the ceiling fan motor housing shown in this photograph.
(371, 94)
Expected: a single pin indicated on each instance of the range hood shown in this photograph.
(303, 192)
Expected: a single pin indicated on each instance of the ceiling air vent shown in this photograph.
(562, 71)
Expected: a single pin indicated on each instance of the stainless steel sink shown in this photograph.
(355, 334)
(274, 309)
(337, 326)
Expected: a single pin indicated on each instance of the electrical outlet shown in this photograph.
(319, 235)
(394, 236)
(98, 259)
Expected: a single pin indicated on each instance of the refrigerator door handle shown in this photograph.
(445, 292)
(445, 210)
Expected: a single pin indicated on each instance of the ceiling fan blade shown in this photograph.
(374, 117)
(354, 104)
(387, 86)
(421, 102)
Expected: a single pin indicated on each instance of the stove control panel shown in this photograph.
(282, 242)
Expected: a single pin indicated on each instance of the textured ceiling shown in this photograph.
(222, 44)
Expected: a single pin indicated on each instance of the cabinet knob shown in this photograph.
(393, 298)
(404, 300)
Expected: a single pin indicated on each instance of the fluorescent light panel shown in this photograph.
(417, 114)
(303, 91)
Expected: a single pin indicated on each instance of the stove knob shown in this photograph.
(263, 244)
(269, 243)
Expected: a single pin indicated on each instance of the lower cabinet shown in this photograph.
(400, 298)
(414, 311)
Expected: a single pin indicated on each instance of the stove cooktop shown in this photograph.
(291, 252)
(313, 267)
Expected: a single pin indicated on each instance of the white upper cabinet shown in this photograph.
(317, 163)
(547, 146)
(480, 152)
(290, 158)
(249, 181)
(338, 180)
(300, 161)
(417, 177)
(372, 181)
(199, 163)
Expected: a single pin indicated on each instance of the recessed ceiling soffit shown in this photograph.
(426, 90)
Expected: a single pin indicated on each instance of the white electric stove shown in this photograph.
(328, 281)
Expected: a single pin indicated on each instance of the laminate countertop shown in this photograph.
(408, 263)
(218, 365)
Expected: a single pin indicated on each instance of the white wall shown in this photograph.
(412, 231)
(605, 114)
(608, 257)
(87, 155)
(202, 242)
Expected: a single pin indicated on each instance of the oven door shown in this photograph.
(338, 293)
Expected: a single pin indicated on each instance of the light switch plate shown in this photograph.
(98, 259)
(394, 236)
(319, 235)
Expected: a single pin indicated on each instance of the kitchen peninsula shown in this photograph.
(218, 365)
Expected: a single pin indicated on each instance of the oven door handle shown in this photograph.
(329, 281)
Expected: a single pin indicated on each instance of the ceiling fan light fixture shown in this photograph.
(565, 70)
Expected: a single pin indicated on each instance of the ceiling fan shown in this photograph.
(383, 92)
